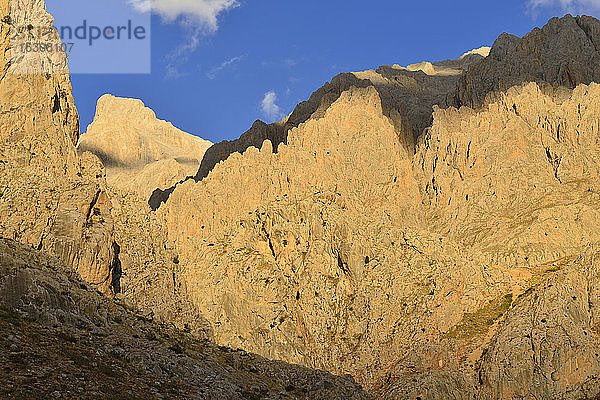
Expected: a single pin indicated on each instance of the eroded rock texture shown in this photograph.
(563, 53)
(407, 95)
(548, 347)
(59, 203)
(50, 198)
(344, 251)
(311, 249)
(150, 270)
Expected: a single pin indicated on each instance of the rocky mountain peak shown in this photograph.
(481, 51)
(109, 105)
(562, 53)
(407, 94)
(140, 151)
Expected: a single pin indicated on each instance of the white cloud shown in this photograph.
(198, 17)
(203, 13)
(212, 74)
(269, 106)
(573, 6)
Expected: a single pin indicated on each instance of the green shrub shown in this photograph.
(479, 322)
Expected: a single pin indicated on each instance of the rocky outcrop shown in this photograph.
(151, 278)
(311, 253)
(562, 53)
(61, 339)
(548, 347)
(59, 202)
(50, 198)
(528, 165)
(411, 92)
(275, 133)
(140, 152)
(255, 136)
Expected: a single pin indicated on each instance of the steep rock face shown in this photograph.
(255, 136)
(275, 133)
(344, 251)
(49, 197)
(408, 97)
(446, 264)
(82, 345)
(517, 181)
(564, 53)
(58, 202)
(312, 257)
(139, 151)
(151, 278)
(347, 143)
(549, 345)
(427, 372)
(546, 346)
(406, 92)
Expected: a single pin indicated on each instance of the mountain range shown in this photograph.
(419, 232)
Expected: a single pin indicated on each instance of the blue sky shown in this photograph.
(215, 62)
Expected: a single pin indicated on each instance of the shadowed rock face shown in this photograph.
(407, 224)
(387, 226)
(565, 52)
(408, 97)
(52, 321)
(255, 136)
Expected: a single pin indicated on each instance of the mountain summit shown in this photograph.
(562, 53)
(139, 151)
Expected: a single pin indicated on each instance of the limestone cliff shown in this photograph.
(50, 198)
(139, 151)
(346, 251)
(59, 202)
(149, 269)
(562, 53)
